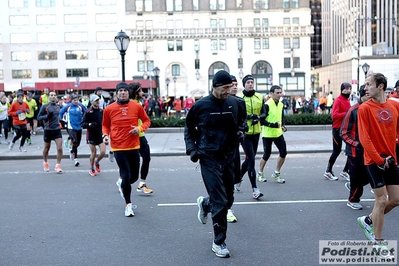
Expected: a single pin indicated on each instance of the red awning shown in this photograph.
(85, 85)
(1, 86)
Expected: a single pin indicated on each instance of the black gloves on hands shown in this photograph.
(194, 156)
(253, 116)
(254, 121)
(93, 124)
(240, 136)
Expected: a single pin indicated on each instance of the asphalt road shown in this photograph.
(75, 219)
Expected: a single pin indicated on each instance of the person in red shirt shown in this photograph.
(177, 106)
(378, 131)
(188, 103)
(121, 125)
(340, 107)
(18, 111)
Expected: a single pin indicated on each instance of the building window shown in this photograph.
(260, 4)
(239, 44)
(107, 72)
(21, 56)
(286, 21)
(141, 65)
(286, 3)
(295, 3)
(287, 62)
(75, 2)
(46, 20)
(179, 45)
(46, 37)
(295, 43)
(292, 83)
(217, 4)
(265, 43)
(45, 3)
(295, 21)
(20, 38)
(214, 45)
(18, 3)
(296, 62)
(196, 45)
(22, 74)
(196, 24)
(105, 36)
(110, 18)
(239, 4)
(171, 46)
(48, 73)
(214, 23)
(19, 20)
(143, 5)
(222, 44)
(257, 44)
(109, 54)
(239, 22)
(173, 5)
(77, 36)
(76, 54)
(77, 72)
(47, 55)
(106, 2)
(287, 43)
(175, 70)
(265, 22)
(75, 19)
(1, 74)
(256, 22)
(195, 5)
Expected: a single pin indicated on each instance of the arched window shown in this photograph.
(263, 74)
(215, 67)
(175, 70)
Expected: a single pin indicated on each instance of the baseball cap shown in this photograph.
(94, 98)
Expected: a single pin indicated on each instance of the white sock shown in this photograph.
(141, 183)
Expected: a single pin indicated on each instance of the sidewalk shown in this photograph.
(170, 142)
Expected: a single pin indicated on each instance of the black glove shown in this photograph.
(194, 156)
(93, 124)
(274, 125)
(250, 116)
(254, 121)
(240, 136)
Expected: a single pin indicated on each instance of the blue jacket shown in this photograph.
(73, 115)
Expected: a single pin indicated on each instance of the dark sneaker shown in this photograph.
(221, 250)
(202, 216)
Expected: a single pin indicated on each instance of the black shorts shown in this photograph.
(94, 141)
(50, 135)
(323, 107)
(379, 178)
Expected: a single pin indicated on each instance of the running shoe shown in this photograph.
(71, 155)
(261, 177)
(111, 156)
(381, 250)
(129, 210)
(46, 167)
(257, 194)
(221, 250)
(76, 162)
(144, 189)
(92, 172)
(98, 168)
(11, 146)
(66, 143)
(119, 184)
(202, 216)
(231, 217)
(330, 176)
(345, 175)
(28, 140)
(237, 186)
(58, 168)
(354, 205)
(6, 141)
(22, 149)
(367, 228)
(277, 176)
(348, 186)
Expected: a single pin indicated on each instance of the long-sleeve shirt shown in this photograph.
(74, 114)
(378, 130)
(49, 113)
(118, 120)
(91, 116)
(4, 110)
(340, 107)
(350, 134)
(14, 108)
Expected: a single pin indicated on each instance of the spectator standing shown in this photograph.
(74, 114)
(378, 130)
(341, 106)
(188, 103)
(286, 105)
(354, 99)
(49, 114)
(315, 106)
(211, 137)
(323, 103)
(92, 120)
(254, 107)
(120, 124)
(330, 102)
(178, 107)
(4, 106)
(18, 111)
(272, 132)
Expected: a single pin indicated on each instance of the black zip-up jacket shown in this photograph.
(211, 127)
(50, 114)
(94, 117)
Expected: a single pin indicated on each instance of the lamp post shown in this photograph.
(312, 80)
(156, 73)
(174, 80)
(241, 74)
(122, 43)
(167, 81)
(197, 75)
(366, 69)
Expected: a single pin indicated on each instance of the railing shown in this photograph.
(235, 32)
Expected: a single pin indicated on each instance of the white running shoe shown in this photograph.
(261, 177)
(330, 176)
(129, 210)
(22, 149)
(231, 218)
(76, 162)
(220, 250)
(111, 156)
(202, 216)
(345, 175)
(257, 194)
(119, 184)
(11, 146)
(277, 176)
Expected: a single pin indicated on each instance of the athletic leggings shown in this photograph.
(76, 137)
(337, 147)
(20, 131)
(145, 154)
(128, 163)
(4, 125)
(250, 147)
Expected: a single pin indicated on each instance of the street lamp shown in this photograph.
(197, 74)
(365, 68)
(145, 75)
(241, 74)
(122, 43)
(292, 72)
(174, 80)
(156, 74)
(167, 81)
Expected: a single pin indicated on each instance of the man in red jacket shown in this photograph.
(340, 107)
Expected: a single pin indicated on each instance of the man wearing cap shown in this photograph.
(121, 125)
(98, 91)
(18, 111)
(340, 107)
(211, 134)
(254, 105)
(74, 114)
(92, 120)
(357, 171)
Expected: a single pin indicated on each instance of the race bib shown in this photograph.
(22, 116)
